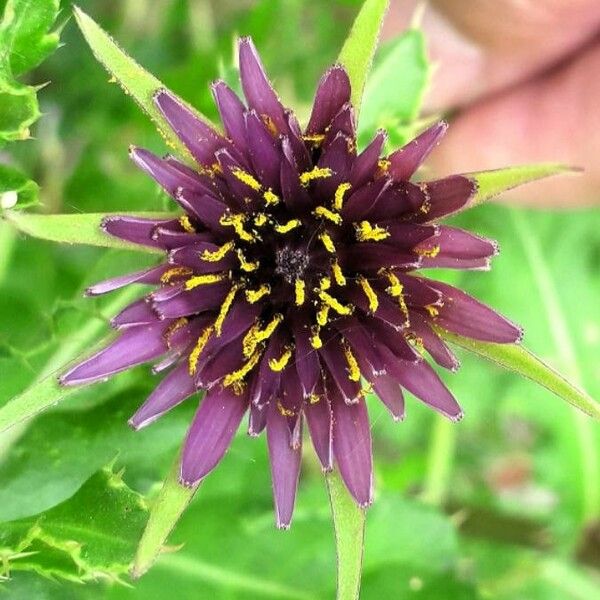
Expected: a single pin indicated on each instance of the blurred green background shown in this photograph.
(503, 505)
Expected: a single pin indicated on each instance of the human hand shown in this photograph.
(524, 79)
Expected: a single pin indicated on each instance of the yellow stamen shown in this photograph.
(185, 222)
(395, 289)
(415, 341)
(325, 283)
(426, 206)
(428, 252)
(256, 335)
(327, 242)
(334, 303)
(237, 222)
(245, 265)
(337, 273)
(278, 364)
(315, 338)
(283, 411)
(432, 310)
(384, 164)
(246, 178)
(225, 307)
(271, 198)
(255, 295)
(369, 293)
(314, 398)
(195, 353)
(167, 276)
(353, 368)
(260, 219)
(219, 254)
(237, 376)
(300, 289)
(315, 138)
(338, 199)
(325, 213)
(197, 280)
(316, 173)
(367, 232)
(323, 315)
(291, 224)
(176, 326)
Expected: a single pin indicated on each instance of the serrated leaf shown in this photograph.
(394, 91)
(359, 48)
(92, 534)
(16, 190)
(19, 109)
(134, 80)
(519, 360)
(79, 228)
(166, 510)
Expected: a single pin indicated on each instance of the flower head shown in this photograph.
(290, 287)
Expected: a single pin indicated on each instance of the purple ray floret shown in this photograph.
(289, 287)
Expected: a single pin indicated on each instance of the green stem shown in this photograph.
(8, 238)
(439, 461)
(349, 526)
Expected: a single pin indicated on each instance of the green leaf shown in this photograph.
(395, 89)
(134, 80)
(166, 510)
(79, 228)
(60, 543)
(349, 525)
(516, 358)
(360, 46)
(492, 183)
(16, 190)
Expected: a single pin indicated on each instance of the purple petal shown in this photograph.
(432, 343)
(391, 337)
(445, 196)
(306, 357)
(138, 313)
(210, 435)
(400, 201)
(294, 194)
(205, 208)
(365, 351)
(342, 123)
(136, 229)
(409, 235)
(151, 275)
(333, 356)
(332, 93)
(417, 292)
(257, 419)
(191, 256)
(226, 360)
(171, 391)
(373, 256)
(390, 393)
(267, 382)
(232, 112)
(320, 425)
(366, 162)
(337, 157)
(405, 162)
(134, 346)
(360, 202)
(264, 151)
(183, 303)
(296, 143)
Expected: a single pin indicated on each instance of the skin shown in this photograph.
(521, 80)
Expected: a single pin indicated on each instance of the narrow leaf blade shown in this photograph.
(172, 500)
(349, 526)
(79, 228)
(359, 48)
(516, 358)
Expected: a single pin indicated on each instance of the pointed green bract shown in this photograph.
(172, 500)
(16, 190)
(349, 526)
(79, 228)
(359, 48)
(516, 358)
(134, 80)
(492, 183)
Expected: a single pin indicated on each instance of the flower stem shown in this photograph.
(349, 526)
(439, 461)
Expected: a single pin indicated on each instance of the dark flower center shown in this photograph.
(291, 263)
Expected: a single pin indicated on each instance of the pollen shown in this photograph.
(316, 173)
(283, 411)
(168, 276)
(323, 315)
(353, 368)
(327, 242)
(225, 308)
(237, 222)
(384, 164)
(315, 339)
(335, 304)
(254, 296)
(261, 219)
(278, 364)
(369, 293)
(428, 252)
(325, 213)
(271, 198)
(185, 222)
(365, 232)
(256, 335)
(338, 199)
(337, 273)
(315, 138)
(432, 310)
(194, 282)
(236, 377)
(197, 351)
(325, 283)
(245, 264)
(286, 227)
(396, 288)
(300, 291)
(314, 398)
(173, 327)
(219, 254)
(246, 178)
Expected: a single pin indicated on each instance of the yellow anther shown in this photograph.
(194, 282)
(246, 265)
(315, 339)
(432, 310)
(300, 289)
(291, 224)
(195, 353)
(366, 232)
(325, 283)
(271, 198)
(172, 328)
(428, 252)
(224, 311)
(316, 173)
(185, 222)
(396, 288)
(337, 273)
(315, 138)
(219, 254)
(415, 341)
(369, 293)
(246, 178)
(237, 376)
(353, 368)
(338, 199)
(283, 411)
(426, 206)
(255, 295)
(384, 164)
(237, 222)
(260, 219)
(335, 304)
(256, 335)
(314, 398)
(327, 242)
(167, 276)
(323, 315)
(278, 364)
(325, 213)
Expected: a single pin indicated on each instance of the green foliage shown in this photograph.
(16, 190)
(91, 535)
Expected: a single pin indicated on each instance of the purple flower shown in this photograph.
(291, 284)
